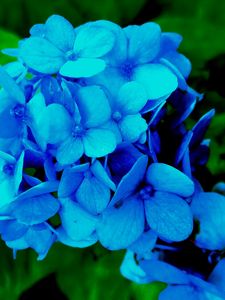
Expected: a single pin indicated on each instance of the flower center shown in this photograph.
(116, 116)
(127, 70)
(77, 131)
(18, 111)
(146, 192)
(70, 55)
(8, 169)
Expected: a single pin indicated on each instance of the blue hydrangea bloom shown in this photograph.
(93, 134)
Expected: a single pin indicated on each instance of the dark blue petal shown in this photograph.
(131, 180)
(35, 210)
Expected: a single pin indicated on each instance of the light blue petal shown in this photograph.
(166, 178)
(11, 87)
(124, 223)
(18, 244)
(100, 173)
(131, 270)
(209, 209)
(77, 223)
(56, 124)
(93, 106)
(37, 120)
(19, 172)
(70, 151)
(112, 126)
(98, 142)
(132, 98)
(157, 79)
(93, 41)
(71, 179)
(63, 238)
(131, 180)
(60, 33)
(143, 41)
(82, 67)
(132, 127)
(37, 30)
(35, 210)
(7, 191)
(40, 55)
(93, 195)
(169, 216)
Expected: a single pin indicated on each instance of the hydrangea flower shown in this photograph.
(93, 135)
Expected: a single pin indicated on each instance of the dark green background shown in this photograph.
(93, 273)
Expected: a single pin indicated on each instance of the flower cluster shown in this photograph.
(94, 147)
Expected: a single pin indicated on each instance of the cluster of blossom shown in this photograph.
(94, 147)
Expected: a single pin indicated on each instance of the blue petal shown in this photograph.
(70, 151)
(132, 127)
(144, 245)
(132, 98)
(143, 41)
(77, 223)
(166, 178)
(19, 172)
(56, 124)
(158, 80)
(185, 292)
(209, 210)
(131, 180)
(100, 173)
(200, 127)
(40, 55)
(164, 272)
(217, 277)
(124, 223)
(88, 241)
(40, 238)
(82, 67)
(35, 210)
(11, 87)
(71, 179)
(170, 216)
(40, 189)
(98, 142)
(93, 195)
(13, 230)
(60, 33)
(93, 106)
(131, 270)
(93, 41)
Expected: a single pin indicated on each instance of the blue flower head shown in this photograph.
(92, 133)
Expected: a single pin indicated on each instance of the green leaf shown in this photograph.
(76, 11)
(7, 40)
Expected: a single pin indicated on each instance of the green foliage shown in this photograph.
(81, 274)
(201, 23)
(37, 11)
(7, 39)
